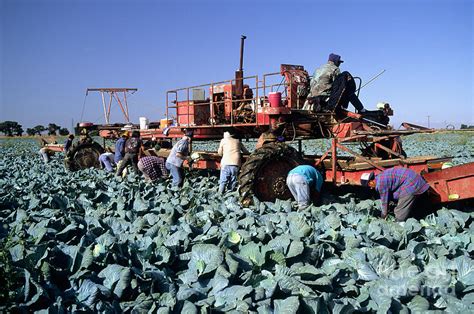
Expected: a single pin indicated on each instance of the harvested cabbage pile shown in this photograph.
(85, 241)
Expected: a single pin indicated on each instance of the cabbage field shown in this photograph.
(86, 241)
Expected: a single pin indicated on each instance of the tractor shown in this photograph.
(273, 103)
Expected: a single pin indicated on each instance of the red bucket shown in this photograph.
(274, 98)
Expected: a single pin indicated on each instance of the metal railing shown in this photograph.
(220, 95)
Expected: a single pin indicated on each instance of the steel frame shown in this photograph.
(114, 94)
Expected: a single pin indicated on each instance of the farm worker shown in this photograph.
(179, 153)
(265, 138)
(45, 154)
(321, 85)
(152, 167)
(274, 134)
(68, 143)
(230, 148)
(120, 147)
(85, 137)
(398, 183)
(107, 160)
(133, 148)
(305, 183)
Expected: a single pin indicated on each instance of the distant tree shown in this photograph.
(63, 131)
(30, 131)
(38, 129)
(10, 128)
(52, 128)
(19, 130)
(465, 126)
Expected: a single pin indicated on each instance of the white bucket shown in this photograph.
(143, 123)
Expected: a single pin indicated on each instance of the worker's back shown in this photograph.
(230, 149)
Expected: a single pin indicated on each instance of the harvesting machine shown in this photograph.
(274, 102)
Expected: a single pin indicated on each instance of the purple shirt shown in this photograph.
(398, 182)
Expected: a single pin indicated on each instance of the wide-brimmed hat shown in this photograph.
(269, 137)
(335, 58)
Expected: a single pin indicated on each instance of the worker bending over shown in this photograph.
(401, 184)
(153, 168)
(106, 160)
(305, 184)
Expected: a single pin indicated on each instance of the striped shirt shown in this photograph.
(398, 182)
(154, 167)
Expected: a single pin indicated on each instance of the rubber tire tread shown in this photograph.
(71, 164)
(249, 170)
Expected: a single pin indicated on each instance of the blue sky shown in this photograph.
(52, 50)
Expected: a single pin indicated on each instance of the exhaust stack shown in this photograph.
(239, 74)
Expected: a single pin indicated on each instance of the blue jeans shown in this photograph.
(104, 159)
(177, 173)
(228, 178)
(299, 188)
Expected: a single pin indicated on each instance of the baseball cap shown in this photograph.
(366, 177)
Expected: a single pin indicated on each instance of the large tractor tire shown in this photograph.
(83, 156)
(264, 174)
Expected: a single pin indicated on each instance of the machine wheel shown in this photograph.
(264, 173)
(83, 155)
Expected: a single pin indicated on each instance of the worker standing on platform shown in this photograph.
(179, 153)
(401, 184)
(305, 184)
(231, 149)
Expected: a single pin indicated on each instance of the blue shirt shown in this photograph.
(119, 149)
(181, 147)
(312, 176)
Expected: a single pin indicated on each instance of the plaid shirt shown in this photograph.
(398, 182)
(154, 167)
